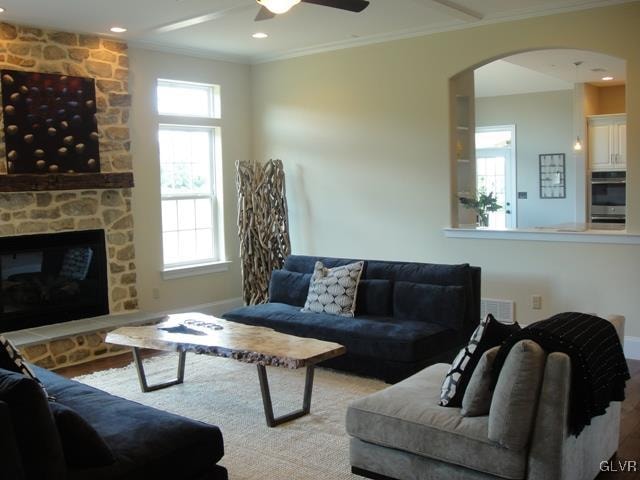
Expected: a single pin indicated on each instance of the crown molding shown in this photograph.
(190, 52)
(419, 32)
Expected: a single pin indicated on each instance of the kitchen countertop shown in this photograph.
(583, 227)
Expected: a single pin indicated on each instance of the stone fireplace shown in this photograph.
(45, 204)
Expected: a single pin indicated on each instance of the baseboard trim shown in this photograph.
(632, 348)
(212, 308)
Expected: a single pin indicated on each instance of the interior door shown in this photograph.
(492, 172)
(496, 171)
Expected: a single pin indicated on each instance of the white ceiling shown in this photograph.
(505, 78)
(306, 28)
(547, 70)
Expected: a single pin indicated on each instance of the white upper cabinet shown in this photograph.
(608, 142)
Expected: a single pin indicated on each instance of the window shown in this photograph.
(190, 174)
(188, 99)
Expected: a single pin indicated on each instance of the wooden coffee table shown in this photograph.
(204, 334)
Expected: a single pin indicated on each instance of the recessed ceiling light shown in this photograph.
(259, 35)
(606, 79)
(118, 29)
(1, 9)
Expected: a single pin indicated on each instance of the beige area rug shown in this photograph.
(226, 393)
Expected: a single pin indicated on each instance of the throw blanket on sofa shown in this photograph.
(598, 368)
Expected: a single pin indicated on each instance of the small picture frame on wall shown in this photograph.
(553, 184)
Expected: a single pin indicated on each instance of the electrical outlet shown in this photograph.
(155, 293)
(536, 302)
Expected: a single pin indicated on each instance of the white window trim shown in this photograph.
(221, 263)
(194, 270)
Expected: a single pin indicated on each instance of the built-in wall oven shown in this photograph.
(608, 197)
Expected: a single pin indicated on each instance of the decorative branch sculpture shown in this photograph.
(263, 225)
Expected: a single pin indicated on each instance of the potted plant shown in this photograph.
(482, 205)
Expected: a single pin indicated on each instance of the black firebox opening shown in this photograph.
(52, 278)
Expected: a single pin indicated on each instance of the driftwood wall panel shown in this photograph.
(263, 225)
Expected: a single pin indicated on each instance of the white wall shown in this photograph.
(363, 133)
(544, 124)
(146, 67)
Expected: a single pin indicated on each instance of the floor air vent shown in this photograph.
(502, 310)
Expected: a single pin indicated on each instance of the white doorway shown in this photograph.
(496, 171)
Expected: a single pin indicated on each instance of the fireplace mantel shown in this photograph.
(64, 181)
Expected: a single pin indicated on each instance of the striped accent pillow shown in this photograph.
(490, 333)
(11, 359)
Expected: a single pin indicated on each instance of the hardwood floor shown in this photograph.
(118, 361)
(629, 429)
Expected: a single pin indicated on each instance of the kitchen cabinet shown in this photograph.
(607, 142)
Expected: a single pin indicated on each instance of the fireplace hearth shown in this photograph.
(52, 278)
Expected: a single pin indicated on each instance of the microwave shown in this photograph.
(608, 197)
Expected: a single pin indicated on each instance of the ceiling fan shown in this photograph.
(268, 9)
(271, 8)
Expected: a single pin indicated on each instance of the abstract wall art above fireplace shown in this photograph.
(50, 123)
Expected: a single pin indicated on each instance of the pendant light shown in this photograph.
(578, 145)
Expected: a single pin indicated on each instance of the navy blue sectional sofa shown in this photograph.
(143, 442)
(408, 315)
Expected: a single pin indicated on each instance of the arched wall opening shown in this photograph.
(514, 123)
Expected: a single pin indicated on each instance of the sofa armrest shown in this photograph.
(554, 453)
(11, 460)
(618, 322)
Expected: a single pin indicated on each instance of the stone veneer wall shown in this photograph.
(106, 60)
(72, 350)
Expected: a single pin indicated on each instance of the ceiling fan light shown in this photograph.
(278, 6)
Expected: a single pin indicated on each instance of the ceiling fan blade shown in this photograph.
(350, 5)
(264, 14)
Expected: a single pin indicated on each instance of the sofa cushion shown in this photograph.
(82, 445)
(515, 398)
(490, 333)
(374, 298)
(406, 416)
(146, 442)
(429, 303)
(11, 466)
(289, 287)
(477, 397)
(333, 290)
(34, 428)
(369, 336)
(435, 274)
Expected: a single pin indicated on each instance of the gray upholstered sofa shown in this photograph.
(402, 433)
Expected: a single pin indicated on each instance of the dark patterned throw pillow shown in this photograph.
(490, 333)
(11, 359)
(333, 290)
